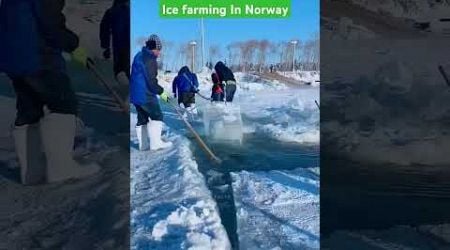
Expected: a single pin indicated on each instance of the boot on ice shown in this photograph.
(142, 136)
(184, 87)
(28, 144)
(154, 132)
(58, 133)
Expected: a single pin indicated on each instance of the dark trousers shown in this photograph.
(187, 98)
(122, 62)
(230, 90)
(47, 88)
(150, 110)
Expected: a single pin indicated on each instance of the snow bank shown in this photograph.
(290, 115)
(302, 135)
(258, 86)
(286, 114)
(277, 209)
(422, 10)
(171, 207)
(385, 130)
(311, 77)
(58, 215)
(345, 28)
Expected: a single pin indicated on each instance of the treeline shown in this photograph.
(250, 55)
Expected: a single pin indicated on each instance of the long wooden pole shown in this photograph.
(197, 136)
(444, 75)
(124, 106)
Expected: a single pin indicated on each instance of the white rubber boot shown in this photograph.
(142, 135)
(183, 110)
(193, 109)
(27, 140)
(58, 133)
(154, 132)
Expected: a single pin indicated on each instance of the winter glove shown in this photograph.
(107, 53)
(164, 96)
(80, 56)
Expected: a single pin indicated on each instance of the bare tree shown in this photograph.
(263, 46)
(273, 51)
(183, 55)
(310, 54)
(247, 50)
(285, 55)
(214, 52)
(229, 48)
(316, 50)
(166, 54)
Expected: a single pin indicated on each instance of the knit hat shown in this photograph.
(153, 42)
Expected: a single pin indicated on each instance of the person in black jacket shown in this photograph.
(226, 77)
(115, 24)
(46, 102)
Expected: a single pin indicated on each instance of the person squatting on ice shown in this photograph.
(144, 89)
(185, 86)
(226, 77)
(33, 35)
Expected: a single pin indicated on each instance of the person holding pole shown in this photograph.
(184, 87)
(33, 36)
(226, 77)
(144, 92)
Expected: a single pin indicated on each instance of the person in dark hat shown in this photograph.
(226, 77)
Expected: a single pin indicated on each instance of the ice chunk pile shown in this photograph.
(223, 122)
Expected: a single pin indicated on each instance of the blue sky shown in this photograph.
(145, 20)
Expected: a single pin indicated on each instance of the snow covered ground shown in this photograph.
(284, 113)
(277, 209)
(388, 111)
(289, 115)
(311, 77)
(172, 206)
(87, 214)
(387, 88)
(84, 214)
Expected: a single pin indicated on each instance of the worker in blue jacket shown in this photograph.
(144, 92)
(33, 38)
(184, 87)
